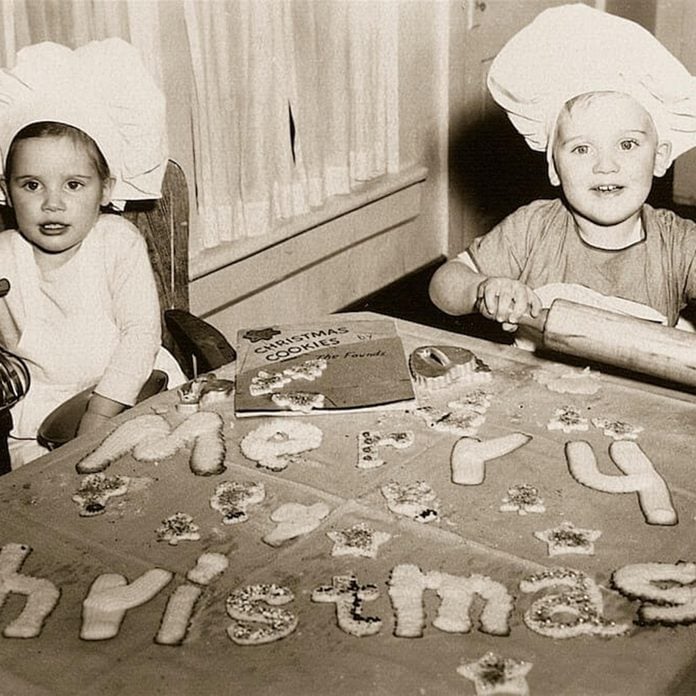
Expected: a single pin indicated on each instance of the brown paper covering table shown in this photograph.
(471, 536)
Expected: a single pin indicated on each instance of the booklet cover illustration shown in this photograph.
(335, 365)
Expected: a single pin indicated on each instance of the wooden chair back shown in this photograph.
(164, 223)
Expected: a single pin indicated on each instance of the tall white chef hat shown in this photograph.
(101, 88)
(574, 49)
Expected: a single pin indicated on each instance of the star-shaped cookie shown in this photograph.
(493, 674)
(567, 538)
(358, 540)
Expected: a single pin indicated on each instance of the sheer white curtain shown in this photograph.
(323, 71)
(77, 22)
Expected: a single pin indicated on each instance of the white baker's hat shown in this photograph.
(574, 49)
(103, 89)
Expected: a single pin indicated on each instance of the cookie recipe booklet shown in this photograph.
(333, 365)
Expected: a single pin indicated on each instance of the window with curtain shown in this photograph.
(294, 101)
(77, 22)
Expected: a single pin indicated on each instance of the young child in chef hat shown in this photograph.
(79, 130)
(612, 108)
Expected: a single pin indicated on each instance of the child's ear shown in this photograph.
(663, 158)
(107, 188)
(553, 174)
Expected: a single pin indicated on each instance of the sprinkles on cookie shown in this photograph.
(567, 538)
(358, 540)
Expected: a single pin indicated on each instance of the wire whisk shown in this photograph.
(15, 379)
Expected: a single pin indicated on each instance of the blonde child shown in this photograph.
(612, 108)
(82, 307)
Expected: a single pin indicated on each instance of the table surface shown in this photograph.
(471, 536)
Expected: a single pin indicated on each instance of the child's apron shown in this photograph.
(67, 332)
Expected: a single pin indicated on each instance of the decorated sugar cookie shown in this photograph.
(178, 527)
(202, 431)
(294, 520)
(271, 444)
(358, 540)
(617, 429)
(463, 422)
(208, 567)
(369, 442)
(348, 596)
(640, 476)
(151, 439)
(469, 456)
(305, 402)
(573, 610)
(203, 391)
(266, 382)
(666, 590)
(408, 583)
(176, 619)
(308, 370)
(257, 616)
(96, 489)
(42, 595)
(111, 596)
(436, 367)
(567, 538)
(233, 498)
(416, 500)
(522, 499)
(563, 380)
(493, 674)
(478, 401)
(122, 440)
(568, 419)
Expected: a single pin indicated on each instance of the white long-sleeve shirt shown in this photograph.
(96, 319)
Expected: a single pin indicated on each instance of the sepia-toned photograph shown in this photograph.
(347, 348)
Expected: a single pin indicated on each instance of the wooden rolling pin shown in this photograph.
(618, 340)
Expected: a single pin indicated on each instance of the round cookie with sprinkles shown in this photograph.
(271, 444)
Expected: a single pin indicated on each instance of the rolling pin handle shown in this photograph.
(538, 322)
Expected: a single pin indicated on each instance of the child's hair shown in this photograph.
(45, 129)
(582, 100)
(586, 98)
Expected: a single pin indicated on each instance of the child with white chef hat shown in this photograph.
(612, 108)
(79, 130)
